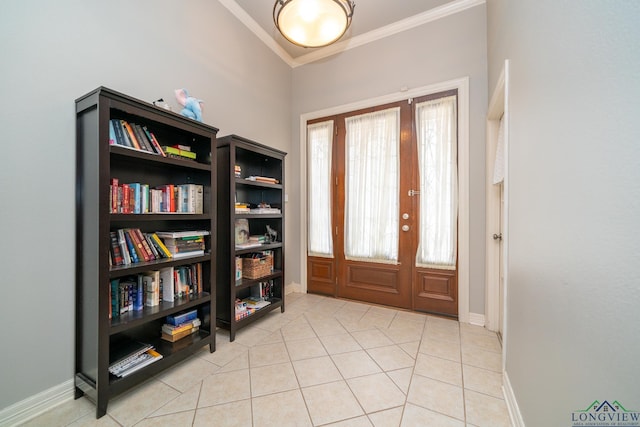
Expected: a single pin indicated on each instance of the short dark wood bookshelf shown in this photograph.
(98, 161)
(252, 175)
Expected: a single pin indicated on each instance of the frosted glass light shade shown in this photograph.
(313, 23)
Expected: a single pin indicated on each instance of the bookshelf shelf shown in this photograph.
(143, 156)
(168, 216)
(258, 160)
(242, 182)
(244, 283)
(101, 324)
(147, 314)
(140, 267)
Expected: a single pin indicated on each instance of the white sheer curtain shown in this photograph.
(436, 123)
(319, 142)
(372, 186)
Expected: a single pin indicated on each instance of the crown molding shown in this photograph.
(440, 12)
(252, 25)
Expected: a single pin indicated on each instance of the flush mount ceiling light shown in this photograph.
(313, 23)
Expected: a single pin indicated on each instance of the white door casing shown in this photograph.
(497, 218)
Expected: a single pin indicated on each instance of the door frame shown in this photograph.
(498, 106)
(462, 85)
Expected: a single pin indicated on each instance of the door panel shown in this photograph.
(376, 283)
(436, 291)
(321, 276)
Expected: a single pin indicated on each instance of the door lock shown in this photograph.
(497, 236)
(405, 228)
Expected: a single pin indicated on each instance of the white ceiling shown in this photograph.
(372, 20)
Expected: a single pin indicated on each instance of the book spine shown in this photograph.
(115, 249)
(161, 245)
(117, 127)
(132, 137)
(142, 138)
(184, 198)
(166, 282)
(135, 188)
(115, 298)
(114, 195)
(132, 251)
(125, 199)
(178, 319)
(144, 192)
(124, 295)
(138, 299)
(139, 248)
(199, 199)
(112, 134)
(172, 198)
(152, 247)
(154, 141)
(145, 244)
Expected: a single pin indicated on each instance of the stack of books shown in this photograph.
(180, 325)
(131, 356)
(237, 170)
(264, 179)
(242, 208)
(173, 333)
(184, 243)
(257, 238)
(179, 152)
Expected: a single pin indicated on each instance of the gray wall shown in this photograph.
(574, 202)
(438, 51)
(54, 52)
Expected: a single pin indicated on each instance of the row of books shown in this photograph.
(133, 293)
(134, 136)
(131, 245)
(131, 356)
(138, 198)
(260, 297)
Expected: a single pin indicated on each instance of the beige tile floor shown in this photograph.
(324, 362)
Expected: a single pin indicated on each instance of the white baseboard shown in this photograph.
(37, 404)
(476, 319)
(512, 403)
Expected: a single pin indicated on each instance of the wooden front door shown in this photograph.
(398, 281)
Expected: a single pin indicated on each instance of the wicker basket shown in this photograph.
(254, 268)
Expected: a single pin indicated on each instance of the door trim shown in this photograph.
(462, 85)
(498, 106)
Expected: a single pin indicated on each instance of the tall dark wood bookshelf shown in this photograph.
(97, 162)
(254, 160)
